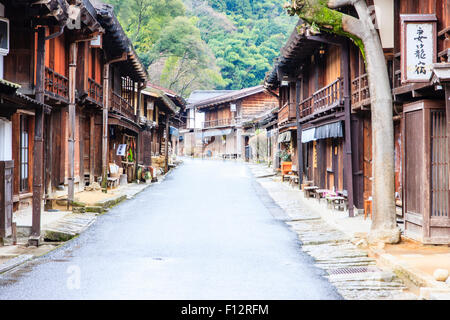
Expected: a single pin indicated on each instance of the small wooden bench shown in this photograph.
(322, 193)
(337, 203)
(289, 177)
(113, 182)
(310, 191)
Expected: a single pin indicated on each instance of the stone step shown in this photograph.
(366, 276)
(14, 262)
(326, 266)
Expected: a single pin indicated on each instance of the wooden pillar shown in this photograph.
(91, 148)
(298, 88)
(257, 143)
(71, 139)
(139, 136)
(48, 159)
(139, 96)
(166, 151)
(447, 115)
(348, 165)
(105, 127)
(38, 149)
(151, 147)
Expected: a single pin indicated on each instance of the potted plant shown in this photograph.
(286, 162)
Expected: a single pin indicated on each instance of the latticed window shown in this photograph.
(24, 153)
(439, 164)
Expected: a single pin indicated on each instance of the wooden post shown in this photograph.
(257, 143)
(138, 115)
(105, 127)
(91, 148)
(447, 115)
(38, 150)
(48, 160)
(71, 139)
(345, 65)
(299, 95)
(166, 151)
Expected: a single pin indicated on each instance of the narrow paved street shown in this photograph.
(207, 232)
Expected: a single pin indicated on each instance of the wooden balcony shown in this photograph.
(360, 92)
(56, 85)
(95, 91)
(217, 123)
(287, 113)
(323, 101)
(119, 105)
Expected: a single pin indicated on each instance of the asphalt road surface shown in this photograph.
(207, 232)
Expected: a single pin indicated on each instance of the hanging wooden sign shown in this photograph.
(418, 47)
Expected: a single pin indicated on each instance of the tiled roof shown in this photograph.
(201, 95)
(229, 97)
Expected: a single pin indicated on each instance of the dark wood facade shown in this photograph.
(70, 94)
(227, 114)
(420, 117)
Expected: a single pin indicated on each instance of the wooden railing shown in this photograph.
(360, 92)
(56, 84)
(287, 113)
(396, 71)
(326, 98)
(217, 123)
(120, 105)
(95, 91)
(306, 107)
(283, 114)
(443, 44)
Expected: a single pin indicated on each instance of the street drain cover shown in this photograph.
(351, 270)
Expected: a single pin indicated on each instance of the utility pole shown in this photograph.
(166, 151)
(105, 127)
(298, 88)
(348, 126)
(71, 139)
(38, 149)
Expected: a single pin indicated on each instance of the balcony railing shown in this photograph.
(121, 106)
(306, 107)
(217, 123)
(326, 98)
(360, 92)
(286, 113)
(56, 84)
(396, 71)
(95, 91)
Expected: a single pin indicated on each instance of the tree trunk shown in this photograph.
(362, 31)
(384, 225)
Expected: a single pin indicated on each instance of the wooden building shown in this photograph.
(312, 77)
(222, 133)
(162, 108)
(124, 78)
(23, 67)
(191, 143)
(324, 76)
(71, 96)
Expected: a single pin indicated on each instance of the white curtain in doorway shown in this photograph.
(5, 140)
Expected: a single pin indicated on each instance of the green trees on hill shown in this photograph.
(245, 51)
(205, 44)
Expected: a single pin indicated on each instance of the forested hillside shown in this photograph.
(205, 44)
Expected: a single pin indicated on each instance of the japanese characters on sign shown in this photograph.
(419, 48)
(121, 150)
